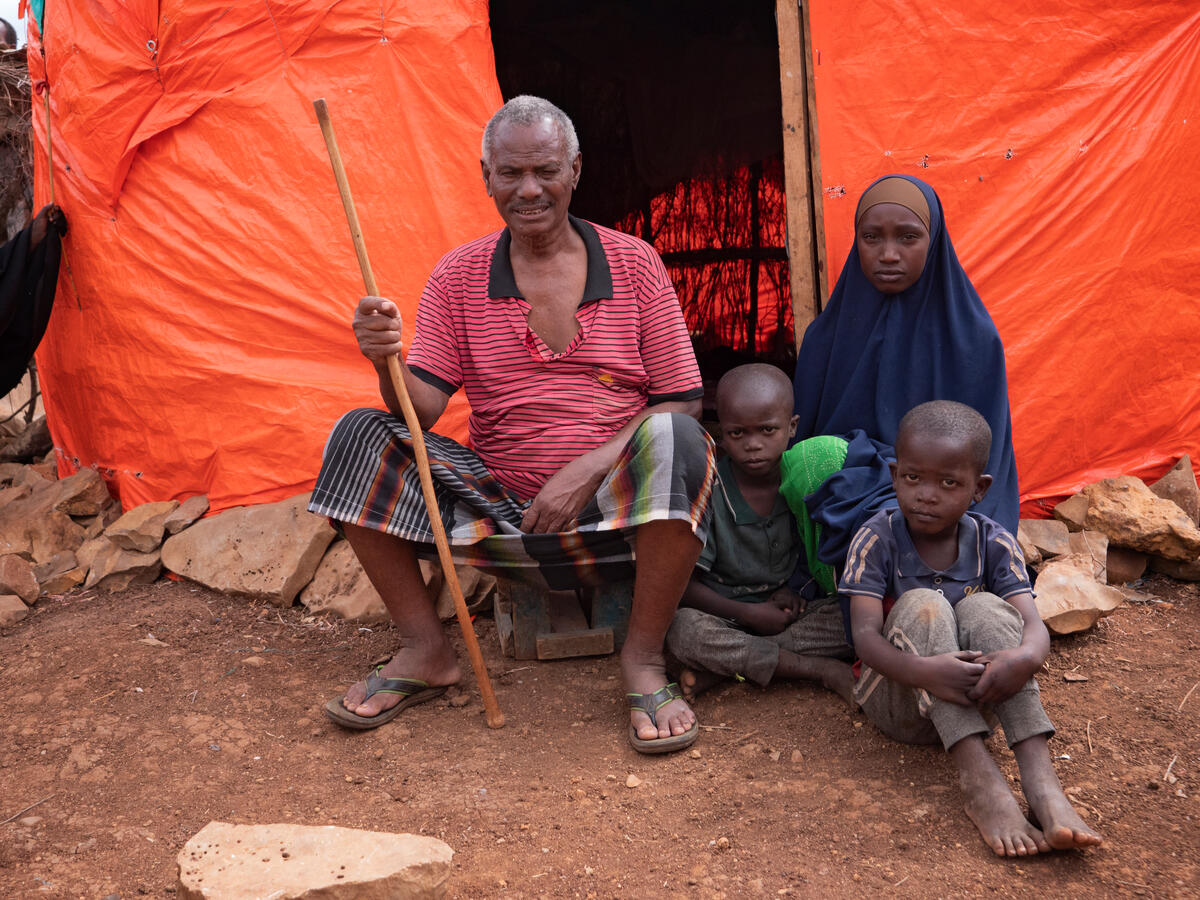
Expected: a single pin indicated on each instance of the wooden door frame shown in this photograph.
(801, 165)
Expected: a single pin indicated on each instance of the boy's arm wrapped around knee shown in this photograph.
(948, 676)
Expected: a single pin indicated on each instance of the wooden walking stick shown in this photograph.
(495, 718)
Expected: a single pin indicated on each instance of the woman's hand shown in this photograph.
(377, 327)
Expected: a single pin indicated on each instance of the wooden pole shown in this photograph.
(495, 718)
(805, 231)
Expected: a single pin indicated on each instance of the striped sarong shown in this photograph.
(369, 478)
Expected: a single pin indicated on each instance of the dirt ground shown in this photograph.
(135, 745)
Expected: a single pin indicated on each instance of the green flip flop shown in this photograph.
(651, 704)
(411, 690)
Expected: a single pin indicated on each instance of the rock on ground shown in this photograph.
(1069, 599)
(1179, 486)
(267, 552)
(1091, 546)
(1072, 512)
(12, 610)
(141, 529)
(1048, 536)
(340, 586)
(17, 577)
(287, 862)
(1133, 516)
(115, 569)
(188, 512)
(1180, 571)
(1123, 565)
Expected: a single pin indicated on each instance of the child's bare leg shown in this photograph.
(832, 674)
(990, 803)
(1062, 826)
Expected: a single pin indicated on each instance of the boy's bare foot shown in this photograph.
(694, 682)
(434, 665)
(644, 675)
(832, 674)
(1061, 824)
(991, 805)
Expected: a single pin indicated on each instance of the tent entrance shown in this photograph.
(678, 111)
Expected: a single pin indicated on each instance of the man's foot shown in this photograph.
(694, 682)
(645, 676)
(436, 666)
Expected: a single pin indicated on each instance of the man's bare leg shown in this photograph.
(832, 674)
(1063, 827)
(990, 803)
(667, 551)
(424, 654)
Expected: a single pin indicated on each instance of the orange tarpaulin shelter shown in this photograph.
(200, 342)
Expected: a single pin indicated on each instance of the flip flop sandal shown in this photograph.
(651, 704)
(411, 690)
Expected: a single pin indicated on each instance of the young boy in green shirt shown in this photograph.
(738, 618)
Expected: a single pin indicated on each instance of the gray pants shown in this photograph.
(924, 623)
(702, 641)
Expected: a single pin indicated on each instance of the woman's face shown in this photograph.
(892, 245)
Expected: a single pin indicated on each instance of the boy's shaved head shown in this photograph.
(946, 418)
(755, 382)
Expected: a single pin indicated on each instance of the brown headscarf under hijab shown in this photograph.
(894, 190)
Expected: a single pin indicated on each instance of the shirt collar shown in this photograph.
(968, 565)
(743, 513)
(503, 283)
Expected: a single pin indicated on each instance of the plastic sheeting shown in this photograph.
(201, 343)
(1064, 140)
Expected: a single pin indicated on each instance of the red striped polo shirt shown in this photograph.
(534, 410)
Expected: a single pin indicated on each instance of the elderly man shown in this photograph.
(569, 342)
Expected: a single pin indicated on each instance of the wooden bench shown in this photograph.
(538, 624)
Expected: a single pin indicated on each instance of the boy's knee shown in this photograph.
(923, 605)
(984, 613)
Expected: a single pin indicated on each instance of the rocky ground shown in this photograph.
(130, 720)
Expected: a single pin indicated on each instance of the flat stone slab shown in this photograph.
(288, 862)
(268, 552)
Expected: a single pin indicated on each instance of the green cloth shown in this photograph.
(746, 557)
(804, 468)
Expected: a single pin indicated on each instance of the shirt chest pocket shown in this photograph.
(616, 397)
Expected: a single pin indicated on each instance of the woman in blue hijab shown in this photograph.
(903, 325)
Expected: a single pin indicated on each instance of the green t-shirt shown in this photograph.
(747, 557)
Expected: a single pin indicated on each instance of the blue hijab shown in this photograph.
(869, 358)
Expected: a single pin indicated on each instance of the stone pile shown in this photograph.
(1108, 535)
(58, 535)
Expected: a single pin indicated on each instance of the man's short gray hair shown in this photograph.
(529, 110)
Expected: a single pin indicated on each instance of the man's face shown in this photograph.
(892, 245)
(530, 178)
